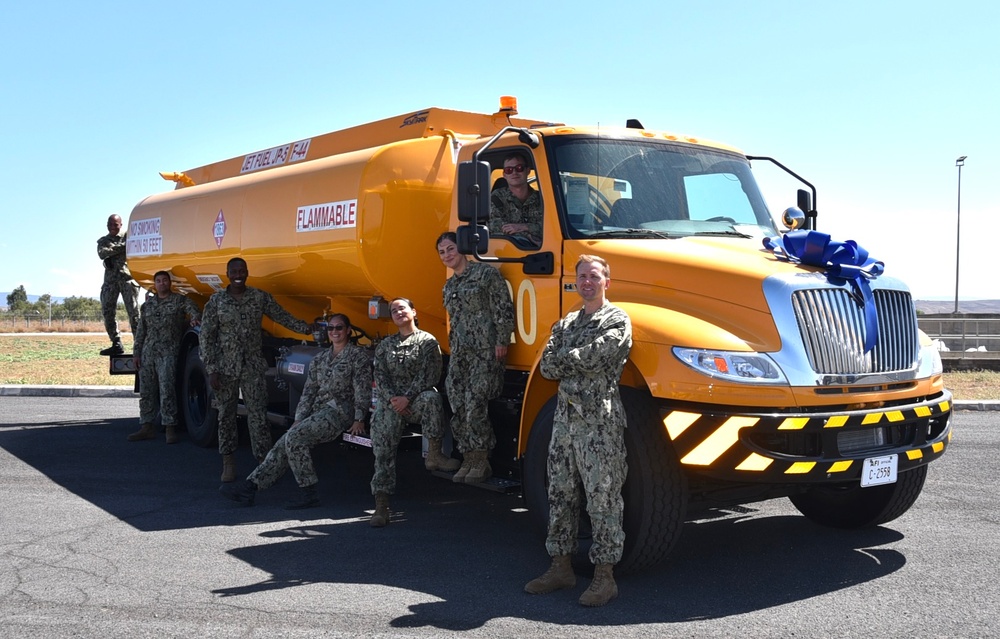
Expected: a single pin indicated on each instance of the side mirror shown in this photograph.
(473, 192)
(468, 243)
(793, 218)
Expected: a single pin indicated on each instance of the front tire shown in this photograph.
(655, 490)
(200, 418)
(851, 506)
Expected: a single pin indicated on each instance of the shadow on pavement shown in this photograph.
(472, 549)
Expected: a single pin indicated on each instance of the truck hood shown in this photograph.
(705, 291)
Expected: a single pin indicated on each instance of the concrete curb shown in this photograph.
(124, 391)
(28, 390)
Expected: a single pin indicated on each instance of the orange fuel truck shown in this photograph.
(752, 375)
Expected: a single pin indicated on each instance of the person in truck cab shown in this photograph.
(516, 209)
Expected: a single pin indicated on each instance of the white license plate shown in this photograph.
(879, 470)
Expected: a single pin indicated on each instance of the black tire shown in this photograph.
(851, 506)
(655, 490)
(200, 418)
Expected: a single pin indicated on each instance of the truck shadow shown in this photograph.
(464, 553)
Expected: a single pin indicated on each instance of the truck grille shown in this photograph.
(832, 324)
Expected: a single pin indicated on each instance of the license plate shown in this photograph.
(879, 470)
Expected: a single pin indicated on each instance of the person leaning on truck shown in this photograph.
(117, 281)
(586, 354)
(407, 366)
(481, 321)
(335, 398)
(516, 209)
(157, 340)
(230, 343)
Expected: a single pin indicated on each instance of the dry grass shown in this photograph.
(73, 360)
(59, 359)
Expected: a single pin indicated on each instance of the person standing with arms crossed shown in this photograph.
(231, 349)
(117, 281)
(586, 353)
(335, 398)
(157, 341)
(481, 320)
(407, 366)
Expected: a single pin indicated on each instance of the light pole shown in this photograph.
(960, 162)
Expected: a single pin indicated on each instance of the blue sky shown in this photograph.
(872, 102)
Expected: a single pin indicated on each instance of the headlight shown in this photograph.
(930, 362)
(746, 368)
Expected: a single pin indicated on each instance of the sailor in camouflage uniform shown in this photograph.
(481, 321)
(157, 341)
(516, 209)
(407, 366)
(231, 349)
(117, 281)
(335, 398)
(586, 353)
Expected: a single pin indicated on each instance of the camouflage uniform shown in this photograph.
(587, 353)
(505, 208)
(407, 366)
(481, 318)
(157, 339)
(117, 281)
(337, 393)
(231, 346)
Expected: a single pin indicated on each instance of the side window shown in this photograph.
(515, 201)
(713, 196)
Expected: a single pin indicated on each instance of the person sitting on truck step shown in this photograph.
(516, 209)
(117, 281)
(407, 366)
(335, 398)
(232, 350)
(586, 353)
(481, 321)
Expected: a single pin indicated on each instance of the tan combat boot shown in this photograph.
(436, 459)
(559, 575)
(459, 476)
(228, 469)
(145, 432)
(380, 518)
(480, 470)
(171, 434)
(602, 589)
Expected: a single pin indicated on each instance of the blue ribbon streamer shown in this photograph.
(843, 261)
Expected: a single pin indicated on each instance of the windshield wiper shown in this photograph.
(633, 233)
(729, 232)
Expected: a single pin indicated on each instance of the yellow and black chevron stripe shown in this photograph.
(727, 446)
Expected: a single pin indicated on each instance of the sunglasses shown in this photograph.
(517, 168)
(336, 327)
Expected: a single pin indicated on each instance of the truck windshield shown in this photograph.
(648, 189)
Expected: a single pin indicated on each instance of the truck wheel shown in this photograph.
(201, 420)
(655, 489)
(851, 506)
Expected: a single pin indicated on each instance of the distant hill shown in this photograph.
(964, 306)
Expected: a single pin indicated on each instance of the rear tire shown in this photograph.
(655, 490)
(851, 506)
(200, 418)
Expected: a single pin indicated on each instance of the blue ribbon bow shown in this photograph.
(843, 261)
